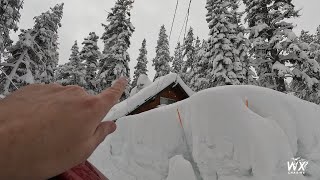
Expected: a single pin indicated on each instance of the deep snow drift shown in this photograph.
(220, 138)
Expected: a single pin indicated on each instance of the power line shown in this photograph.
(185, 31)
(174, 17)
(185, 23)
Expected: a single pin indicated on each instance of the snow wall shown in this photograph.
(214, 135)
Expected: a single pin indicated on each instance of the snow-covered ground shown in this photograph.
(219, 137)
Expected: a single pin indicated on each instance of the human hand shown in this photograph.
(47, 129)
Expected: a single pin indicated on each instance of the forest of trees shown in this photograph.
(262, 50)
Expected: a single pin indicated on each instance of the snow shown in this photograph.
(257, 29)
(143, 82)
(281, 69)
(130, 104)
(179, 168)
(227, 139)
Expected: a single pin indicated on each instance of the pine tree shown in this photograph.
(306, 75)
(200, 80)
(116, 38)
(10, 15)
(46, 26)
(315, 46)
(75, 55)
(224, 56)
(242, 67)
(317, 35)
(73, 72)
(162, 59)
(306, 37)
(177, 60)
(271, 37)
(306, 69)
(189, 51)
(90, 54)
(141, 67)
(34, 57)
(62, 74)
(191, 72)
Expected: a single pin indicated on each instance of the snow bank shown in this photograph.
(221, 137)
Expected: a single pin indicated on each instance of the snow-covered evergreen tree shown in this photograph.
(306, 37)
(90, 54)
(188, 76)
(200, 80)
(9, 17)
(313, 41)
(34, 57)
(271, 37)
(315, 46)
(306, 73)
(62, 74)
(75, 55)
(224, 54)
(317, 35)
(314, 51)
(242, 67)
(46, 26)
(116, 38)
(73, 72)
(188, 51)
(163, 58)
(177, 60)
(141, 67)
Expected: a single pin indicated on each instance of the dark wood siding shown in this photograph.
(172, 92)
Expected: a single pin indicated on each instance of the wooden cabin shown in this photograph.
(166, 90)
(171, 94)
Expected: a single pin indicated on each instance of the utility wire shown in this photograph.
(174, 17)
(185, 23)
(188, 14)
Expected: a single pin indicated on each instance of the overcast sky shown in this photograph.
(84, 16)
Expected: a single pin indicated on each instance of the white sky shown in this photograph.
(84, 16)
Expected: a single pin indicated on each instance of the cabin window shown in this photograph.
(166, 101)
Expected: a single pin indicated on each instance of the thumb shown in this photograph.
(102, 131)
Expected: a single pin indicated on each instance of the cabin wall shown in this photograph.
(176, 93)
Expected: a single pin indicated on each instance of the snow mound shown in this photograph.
(180, 168)
(219, 135)
(143, 82)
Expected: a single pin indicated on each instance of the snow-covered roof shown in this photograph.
(133, 102)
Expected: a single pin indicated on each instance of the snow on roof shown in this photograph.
(129, 105)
